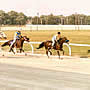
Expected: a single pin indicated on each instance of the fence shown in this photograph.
(46, 27)
(68, 45)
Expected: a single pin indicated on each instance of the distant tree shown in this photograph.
(15, 18)
(71, 19)
(88, 20)
(2, 17)
(21, 19)
(36, 20)
(13, 15)
(51, 19)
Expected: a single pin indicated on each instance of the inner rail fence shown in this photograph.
(68, 45)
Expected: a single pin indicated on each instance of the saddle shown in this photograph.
(58, 43)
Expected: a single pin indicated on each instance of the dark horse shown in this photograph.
(17, 44)
(58, 46)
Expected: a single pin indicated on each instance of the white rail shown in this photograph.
(68, 45)
(46, 27)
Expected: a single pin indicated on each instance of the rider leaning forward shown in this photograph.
(55, 38)
(17, 35)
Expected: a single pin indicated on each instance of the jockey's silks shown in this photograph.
(18, 35)
(57, 37)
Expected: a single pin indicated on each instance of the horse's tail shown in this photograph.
(41, 45)
(5, 44)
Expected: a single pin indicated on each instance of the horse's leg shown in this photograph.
(12, 50)
(21, 50)
(47, 53)
(63, 52)
(58, 54)
(50, 52)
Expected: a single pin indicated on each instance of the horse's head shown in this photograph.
(63, 40)
(25, 38)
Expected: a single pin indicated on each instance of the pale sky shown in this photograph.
(46, 7)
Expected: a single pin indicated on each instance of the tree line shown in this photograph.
(15, 18)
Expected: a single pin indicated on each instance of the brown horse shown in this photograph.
(58, 46)
(17, 44)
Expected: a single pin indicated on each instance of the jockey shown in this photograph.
(55, 38)
(17, 35)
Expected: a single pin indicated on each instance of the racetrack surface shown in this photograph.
(31, 72)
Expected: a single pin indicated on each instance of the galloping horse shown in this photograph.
(17, 44)
(58, 46)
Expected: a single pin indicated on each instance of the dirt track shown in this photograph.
(40, 73)
(68, 64)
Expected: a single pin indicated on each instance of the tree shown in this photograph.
(36, 20)
(21, 19)
(15, 18)
(13, 15)
(2, 17)
(88, 20)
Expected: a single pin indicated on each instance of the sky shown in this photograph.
(46, 7)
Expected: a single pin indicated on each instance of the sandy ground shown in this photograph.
(37, 72)
(67, 64)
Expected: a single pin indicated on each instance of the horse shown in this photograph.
(2, 35)
(58, 46)
(17, 44)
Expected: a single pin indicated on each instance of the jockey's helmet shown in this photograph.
(19, 31)
(59, 33)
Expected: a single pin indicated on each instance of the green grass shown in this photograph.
(80, 37)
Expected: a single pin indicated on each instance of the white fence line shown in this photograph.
(68, 45)
(73, 44)
(46, 27)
